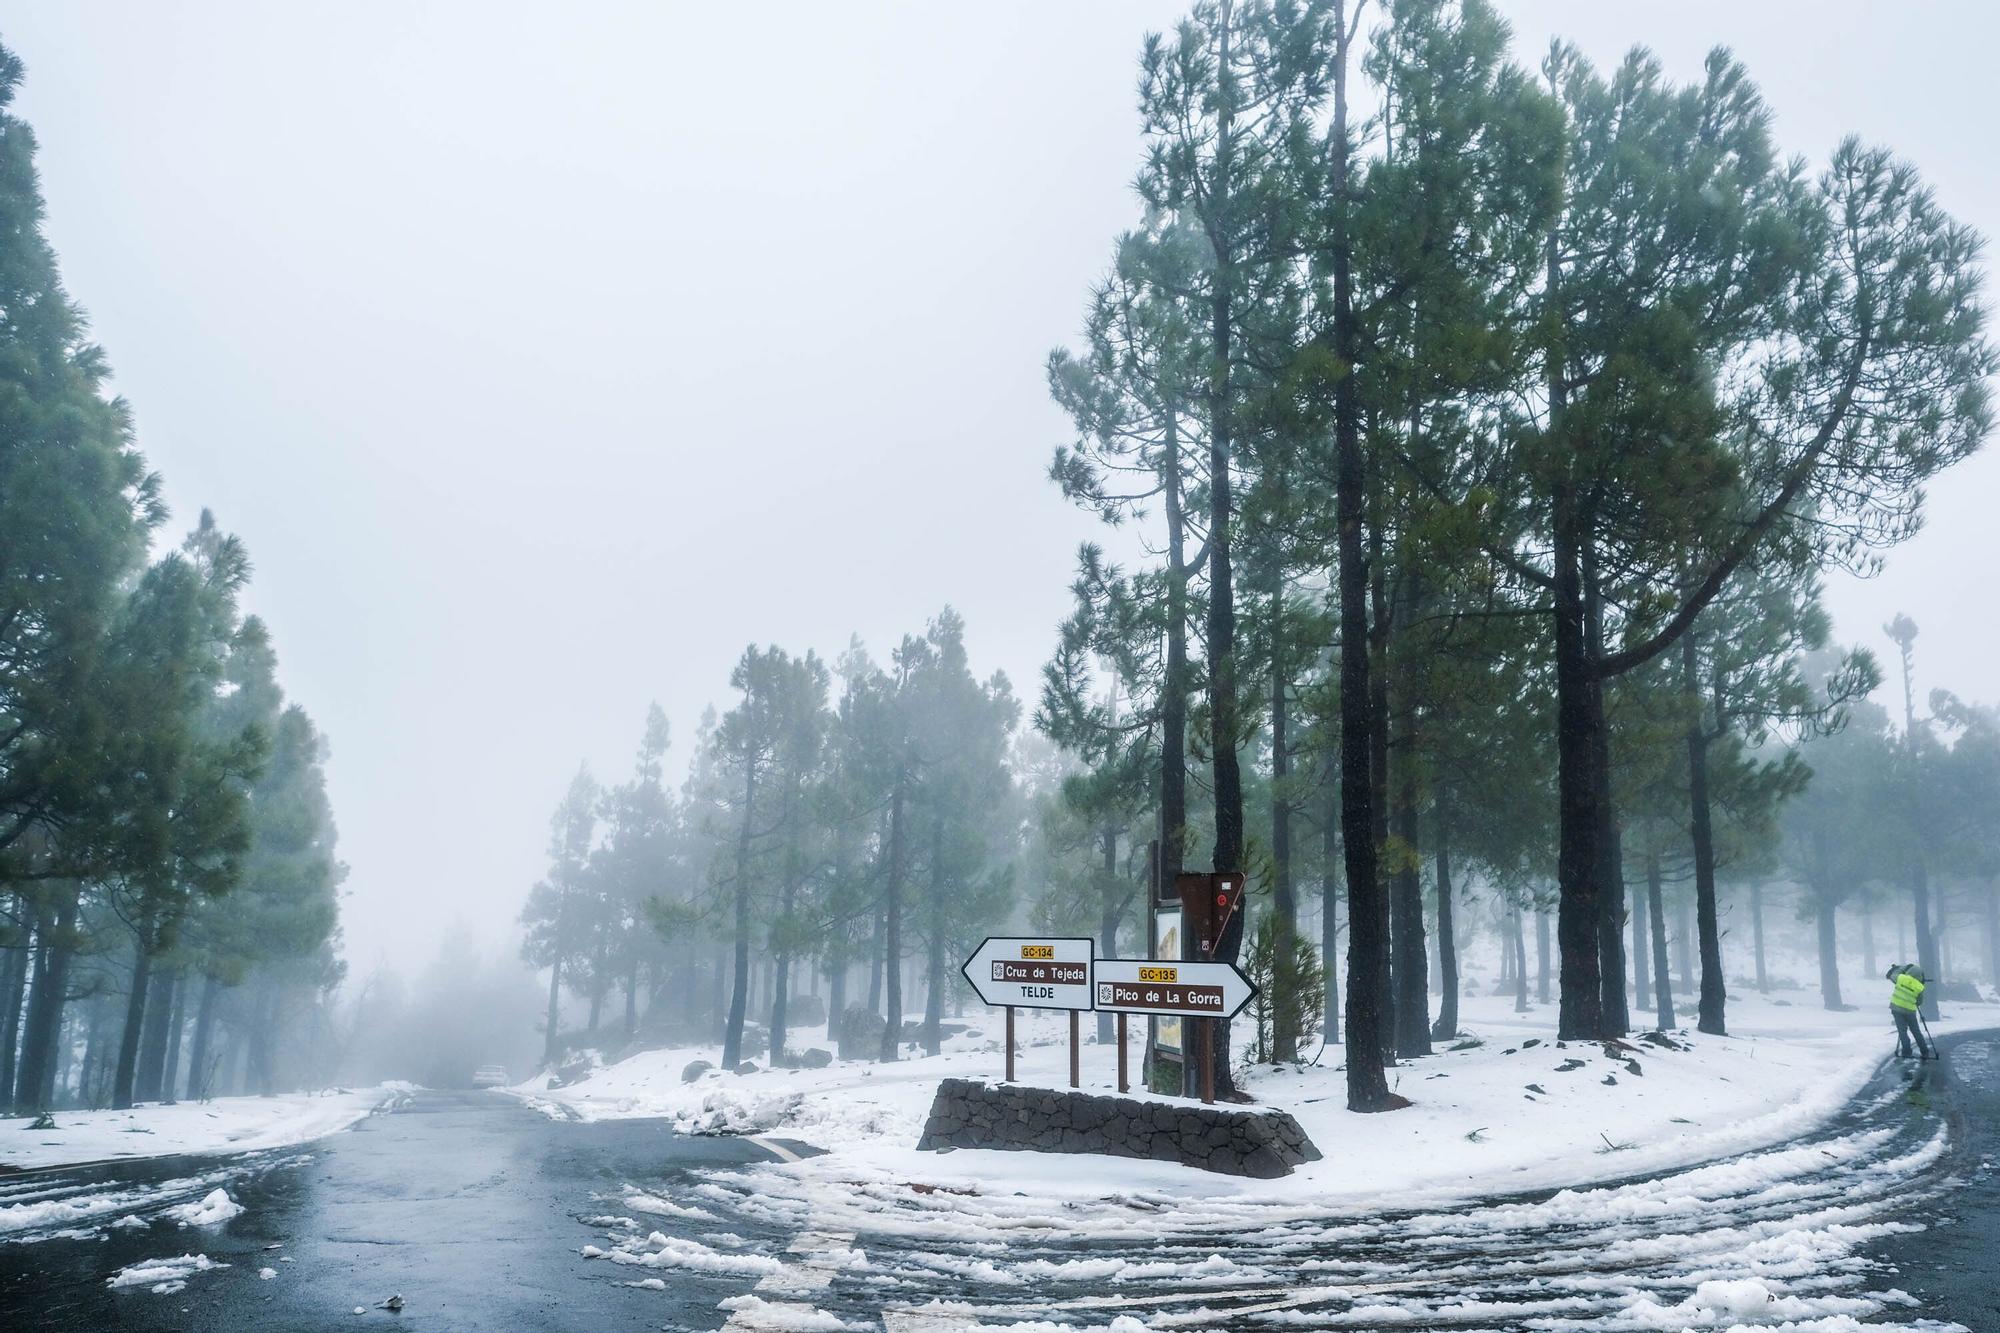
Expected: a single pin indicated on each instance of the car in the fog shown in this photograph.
(490, 1076)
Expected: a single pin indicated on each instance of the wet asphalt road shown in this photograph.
(1953, 1266)
(476, 1209)
(470, 1205)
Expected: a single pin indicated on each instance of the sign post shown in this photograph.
(1012, 973)
(1123, 1084)
(1210, 992)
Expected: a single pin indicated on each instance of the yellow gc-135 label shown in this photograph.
(1159, 974)
(1038, 951)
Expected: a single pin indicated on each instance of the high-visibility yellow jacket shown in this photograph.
(1909, 992)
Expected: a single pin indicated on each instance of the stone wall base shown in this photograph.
(971, 1114)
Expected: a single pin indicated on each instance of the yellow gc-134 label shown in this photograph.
(1038, 951)
(1159, 974)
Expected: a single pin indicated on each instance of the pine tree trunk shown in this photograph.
(1714, 988)
(934, 951)
(1992, 935)
(135, 1015)
(1927, 957)
(632, 998)
(1367, 909)
(1520, 952)
(1284, 898)
(1579, 716)
(14, 962)
(836, 1002)
(37, 1075)
(1541, 956)
(1329, 907)
(1642, 979)
(1578, 854)
(87, 1076)
(1757, 937)
(200, 1076)
(153, 1038)
(1868, 937)
(892, 928)
(35, 1078)
(1175, 688)
(262, 1070)
(1656, 913)
(1614, 1017)
(170, 1079)
(878, 943)
(739, 985)
(1406, 908)
(555, 1000)
(1379, 778)
(1107, 918)
(1829, 956)
(1447, 1020)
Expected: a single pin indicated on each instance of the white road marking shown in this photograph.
(782, 1153)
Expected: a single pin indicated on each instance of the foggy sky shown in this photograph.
(546, 356)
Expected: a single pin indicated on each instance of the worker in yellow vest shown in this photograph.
(1904, 1002)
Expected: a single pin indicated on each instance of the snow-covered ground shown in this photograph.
(1517, 1111)
(1736, 1184)
(224, 1125)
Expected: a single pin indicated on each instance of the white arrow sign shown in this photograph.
(1033, 973)
(1162, 986)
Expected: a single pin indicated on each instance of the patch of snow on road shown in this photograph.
(213, 1209)
(163, 1277)
(753, 1312)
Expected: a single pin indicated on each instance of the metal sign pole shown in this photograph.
(1075, 1056)
(1208, 1062)
(1123, 1085)
(1010, 1043)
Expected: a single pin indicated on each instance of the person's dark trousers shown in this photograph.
(1908, 1030)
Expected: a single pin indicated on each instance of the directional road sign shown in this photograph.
(1169, 986)
(1033, 973)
